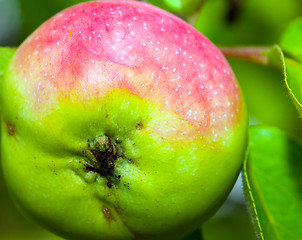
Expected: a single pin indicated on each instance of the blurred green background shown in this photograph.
(224, 22)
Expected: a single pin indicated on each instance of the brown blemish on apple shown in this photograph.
(127, 185)
(139, 126)
(107, 213)
(10, 129)
(109, 184)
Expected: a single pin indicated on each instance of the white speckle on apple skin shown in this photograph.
(124, 51)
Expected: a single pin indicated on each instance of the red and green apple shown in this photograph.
(120, 121)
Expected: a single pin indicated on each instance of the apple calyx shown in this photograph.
(102, 153)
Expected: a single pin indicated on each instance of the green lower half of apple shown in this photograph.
(116, 168)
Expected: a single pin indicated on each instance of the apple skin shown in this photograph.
(133, 83)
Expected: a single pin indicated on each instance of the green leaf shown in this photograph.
(291, 41)
(291, 44)
(6, 54)
(246, 22)
(189, 7)
(273, 184)
(168, 5)
(174, 4)
(294, 82)
(275, 58)
(185, 8)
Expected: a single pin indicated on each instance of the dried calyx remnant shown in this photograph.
(102, 154)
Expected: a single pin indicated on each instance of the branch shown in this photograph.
(253, 54)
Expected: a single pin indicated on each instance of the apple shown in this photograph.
(120, 121)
